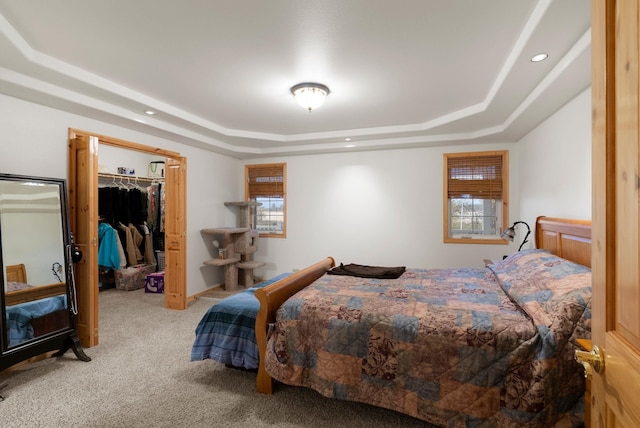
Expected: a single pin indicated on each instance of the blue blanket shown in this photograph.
(19, 316)
(226, 332)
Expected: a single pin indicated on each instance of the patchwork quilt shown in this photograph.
(454, 347)
(16, 286)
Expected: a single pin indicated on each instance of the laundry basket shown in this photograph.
(160, 258)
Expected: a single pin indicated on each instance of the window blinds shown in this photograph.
(265, 181)
(475, 176)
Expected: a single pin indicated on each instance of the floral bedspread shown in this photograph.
(16, 286)
(454, 347)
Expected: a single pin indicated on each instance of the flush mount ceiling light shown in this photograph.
(310, 95)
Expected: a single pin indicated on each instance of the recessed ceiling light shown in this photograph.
(539, 57)
(347, 139)
(150, 112)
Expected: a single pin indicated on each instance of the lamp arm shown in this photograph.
(524, 241)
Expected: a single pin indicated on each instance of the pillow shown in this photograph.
(554, 292)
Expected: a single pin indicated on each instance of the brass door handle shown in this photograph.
(590, 360)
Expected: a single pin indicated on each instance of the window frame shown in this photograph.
(504, 197)
(277, 167)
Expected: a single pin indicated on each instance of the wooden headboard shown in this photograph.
(567, 238)
(16, 273)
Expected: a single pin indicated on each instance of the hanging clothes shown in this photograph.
(137, 242)
(121, 253)
(137, 204)
(108, 254)
(136, 214)
(129, 245)
(149, 257)
(155, 214)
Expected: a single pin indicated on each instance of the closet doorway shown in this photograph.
(83, 206)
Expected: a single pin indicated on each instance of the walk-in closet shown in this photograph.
(131, 218)
(129, 192)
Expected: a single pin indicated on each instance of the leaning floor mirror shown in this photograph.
(38, 302)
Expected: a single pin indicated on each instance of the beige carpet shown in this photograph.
(141, 376)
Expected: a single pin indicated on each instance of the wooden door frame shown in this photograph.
(175, 296)
(615, 127)
(603, 185)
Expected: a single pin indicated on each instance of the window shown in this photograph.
(475, 197)
(267, 184)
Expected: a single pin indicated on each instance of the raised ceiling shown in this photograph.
(406, 73)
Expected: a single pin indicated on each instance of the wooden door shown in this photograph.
(615, 222)
(174, 234)
(83, 216)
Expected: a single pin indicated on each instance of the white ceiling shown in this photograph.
(402, 73)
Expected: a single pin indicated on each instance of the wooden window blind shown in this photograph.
(477, 176)
(266, 181)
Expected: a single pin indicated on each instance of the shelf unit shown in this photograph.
(240, 243)
(244, 211)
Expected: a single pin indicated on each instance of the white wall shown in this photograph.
(376, 208)
(34, 142)
(382, 207)
(555, 171)
(385, 207)
(110, 158)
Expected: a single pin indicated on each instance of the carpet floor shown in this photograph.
(141, 376)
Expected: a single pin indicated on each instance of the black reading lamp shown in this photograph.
(510, 233)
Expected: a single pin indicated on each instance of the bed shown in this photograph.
(487, 346)
(226, 332)
(33, 311)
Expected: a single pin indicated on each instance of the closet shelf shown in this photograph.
(130, 178)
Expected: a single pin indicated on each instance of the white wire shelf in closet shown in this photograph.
(125, 179)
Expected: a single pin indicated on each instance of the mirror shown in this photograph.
(38, 293)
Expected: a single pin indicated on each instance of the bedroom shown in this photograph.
(404, 175)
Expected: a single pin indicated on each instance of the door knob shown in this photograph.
(590, 360)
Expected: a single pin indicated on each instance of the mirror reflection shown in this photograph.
(31, 238)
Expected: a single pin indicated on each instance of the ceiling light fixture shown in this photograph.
(310, 95)
(150, 112)
(539, 57)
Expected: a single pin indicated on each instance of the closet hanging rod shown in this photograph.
(129, 177)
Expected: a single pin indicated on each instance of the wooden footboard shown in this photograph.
(270, 298)
(35, 293)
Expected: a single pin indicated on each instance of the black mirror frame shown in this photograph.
(63, 339)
